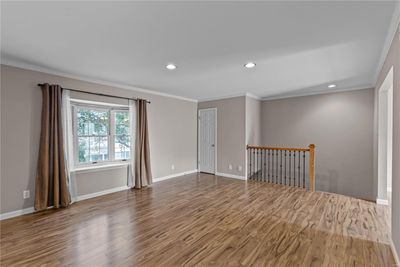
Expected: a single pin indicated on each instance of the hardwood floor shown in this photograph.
(203, 220)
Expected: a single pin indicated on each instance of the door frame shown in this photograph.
(215, 138)
(384, 150)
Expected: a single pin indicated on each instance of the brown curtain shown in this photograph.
(143, 175)
(51, 178)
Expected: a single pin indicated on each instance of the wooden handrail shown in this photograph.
(310, 149)
(278, 148)
(312, 167)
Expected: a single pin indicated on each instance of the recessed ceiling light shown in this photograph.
(250, 65)
(171, 66)
(332, 86)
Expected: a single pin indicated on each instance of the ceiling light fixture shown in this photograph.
(171, 66)
(250, 65)
(332, 86)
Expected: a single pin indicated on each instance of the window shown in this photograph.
(101, 134)
(121, 137)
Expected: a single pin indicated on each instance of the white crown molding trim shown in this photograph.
(32, 67)
(230, 96)
(101, 193)
(394, 251)
(318, 93)
(221, 97)
(382, 202)
(253, 96)
(228, 175)
(159, 179)
(393, 29)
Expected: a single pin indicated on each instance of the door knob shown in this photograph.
(212, 145)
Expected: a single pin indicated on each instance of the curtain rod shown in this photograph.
(99, 94)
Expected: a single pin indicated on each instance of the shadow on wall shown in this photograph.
(327, 181)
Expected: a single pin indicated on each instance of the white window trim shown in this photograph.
(111, 162)
(96, 103)
(101, 167)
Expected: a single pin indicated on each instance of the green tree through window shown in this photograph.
(101, 134)
(122, 137)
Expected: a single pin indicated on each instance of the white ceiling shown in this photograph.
(299, 47)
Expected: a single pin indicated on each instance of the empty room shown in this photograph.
(200, 133)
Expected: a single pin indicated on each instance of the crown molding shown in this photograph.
(253, 96)
(230, 96)
(393, 29)
(221, 97)
(33, 67)
(320, 92)
(266, 98)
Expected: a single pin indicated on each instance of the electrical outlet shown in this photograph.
(172, 167)
(230, 166)
(26, 194)
(239, 168)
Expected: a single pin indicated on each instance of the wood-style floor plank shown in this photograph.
(203, 220)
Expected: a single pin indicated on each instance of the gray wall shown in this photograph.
(231, 133)
(172, 125)
(93, 181)
(239, 124)
(341, 127)
(393, 60)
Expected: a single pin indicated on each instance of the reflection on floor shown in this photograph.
(203, 219)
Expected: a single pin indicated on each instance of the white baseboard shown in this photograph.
(230, 175)
(29, 210)
(16, 213)
(173, 175)
(101, 193)
(382, 201)
(394, 251)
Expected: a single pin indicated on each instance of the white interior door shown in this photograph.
(207, 140)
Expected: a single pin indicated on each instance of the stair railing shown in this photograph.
(282, 165)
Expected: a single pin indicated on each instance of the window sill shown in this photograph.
(102, 167)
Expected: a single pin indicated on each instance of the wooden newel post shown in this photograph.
(312, 167)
